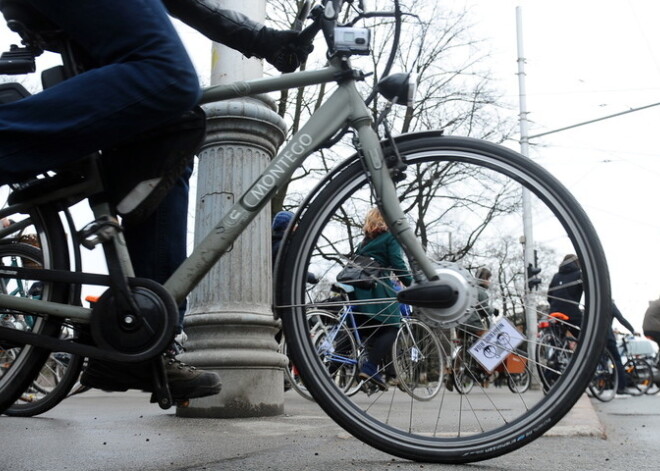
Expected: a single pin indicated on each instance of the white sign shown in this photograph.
(495, 345)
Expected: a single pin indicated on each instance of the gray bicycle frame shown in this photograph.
(345, 105)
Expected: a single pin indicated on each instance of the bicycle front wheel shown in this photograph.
(464, 201)
(605, 381)
(418, 360)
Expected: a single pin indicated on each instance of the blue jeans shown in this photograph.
(141, 77)
(620, 370)
(158, 244)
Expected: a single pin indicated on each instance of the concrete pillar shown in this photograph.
(230, 324)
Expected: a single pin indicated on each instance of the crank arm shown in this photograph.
(16, 337)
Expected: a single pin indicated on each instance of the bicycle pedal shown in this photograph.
(161, 393)
(369, 388)
(162, 401)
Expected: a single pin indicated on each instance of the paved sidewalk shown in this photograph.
(122, 431)
(581, 421)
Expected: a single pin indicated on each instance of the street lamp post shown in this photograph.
(230, 324)
(528, 233)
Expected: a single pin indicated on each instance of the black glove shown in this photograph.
(282, 48)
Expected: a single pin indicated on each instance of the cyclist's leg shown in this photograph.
(620, 370)
(157, 245)
(143, 78)
(378, 346)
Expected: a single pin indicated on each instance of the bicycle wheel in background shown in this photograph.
(520, 382)
(336, 347)
(22, 364)
(52, 385)
(418, 360)
(640, 375)
(605, 382)
(463, 371)
(472, 190)
(553, 353)
(291, 374)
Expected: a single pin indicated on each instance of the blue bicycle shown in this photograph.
(416, 365)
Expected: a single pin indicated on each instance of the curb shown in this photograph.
(581, 421)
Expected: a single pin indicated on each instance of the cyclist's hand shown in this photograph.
(282, 48)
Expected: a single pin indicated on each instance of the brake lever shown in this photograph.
(307, 34)
(302, 15)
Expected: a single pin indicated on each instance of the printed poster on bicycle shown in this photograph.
(495, 345)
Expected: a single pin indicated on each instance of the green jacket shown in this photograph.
(386, 250)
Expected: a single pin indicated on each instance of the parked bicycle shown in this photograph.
(639, 372)
(441, 184)
(416, 362)
(605, 382)
(467, 372)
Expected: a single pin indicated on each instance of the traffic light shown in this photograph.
(533, 280)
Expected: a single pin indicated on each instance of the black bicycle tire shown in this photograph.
(513, 387)
(596, 392)
(301, 388)
(352, 386)
(54, 396)
(645, 365)
(463, 379)
(397, 366)
(74, 365)
(533, 422)
(548, 339)
(54, 249)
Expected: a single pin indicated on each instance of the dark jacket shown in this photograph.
(223, 26)
(386, 250)
(616, 314)
(652, 317)
(565, 291)
(280, 224)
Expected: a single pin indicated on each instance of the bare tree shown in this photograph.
(454, 91)
(454, 94)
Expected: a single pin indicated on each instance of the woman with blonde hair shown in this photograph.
(380, 321)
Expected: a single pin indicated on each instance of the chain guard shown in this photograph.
(149, 332)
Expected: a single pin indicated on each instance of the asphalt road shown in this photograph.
(122, 431)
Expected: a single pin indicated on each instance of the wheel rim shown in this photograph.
(27, 361)
(418, 360)
(321, 250)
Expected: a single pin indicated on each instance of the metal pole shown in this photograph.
(528, 235)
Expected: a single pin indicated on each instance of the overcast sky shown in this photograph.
(589, 59)
(586, 59)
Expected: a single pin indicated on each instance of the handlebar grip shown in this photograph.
(16, 66)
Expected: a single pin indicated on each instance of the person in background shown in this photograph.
(281, 222)
(565, 292)
(379, 322)
(651, 323)
(623, 387)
